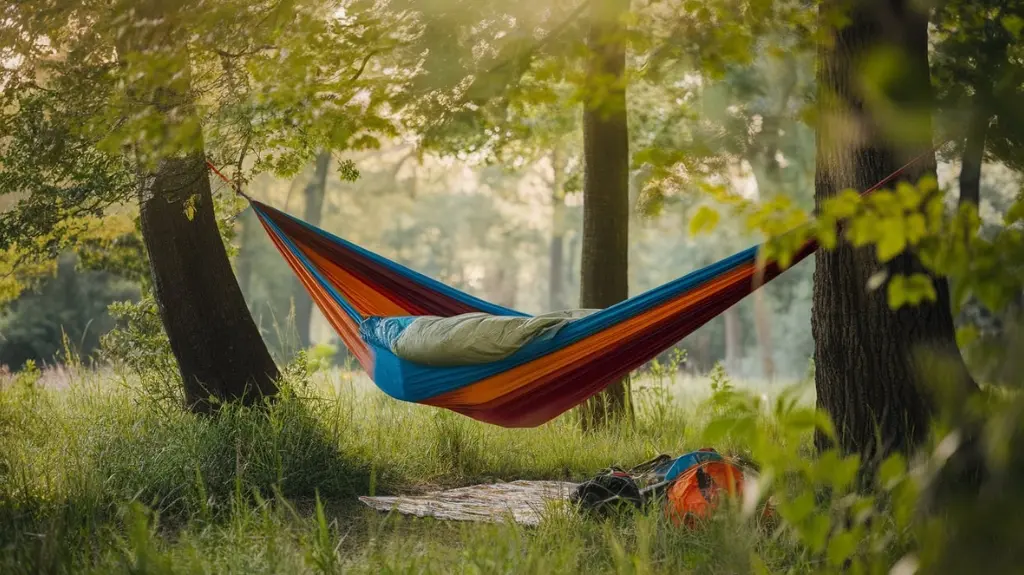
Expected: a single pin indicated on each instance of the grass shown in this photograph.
(97, 476)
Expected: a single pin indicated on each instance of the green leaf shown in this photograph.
(816, 533)
(826, 235)
(720, 428)
(892, 470)
(1015, 213)
(966, 335)
(897, 292)
(916, 228)
(909, 196)
(1013, 24)
(861, 231)
(846, 472)
(911, 290)
(757, 565)
(886, 202)
(843, 205)
(704, 221)
(348, 171)
(799, 509)
(190, 206)
(893, 240)
(841, 547)
(804, 420)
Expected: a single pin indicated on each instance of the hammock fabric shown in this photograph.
(541, 380)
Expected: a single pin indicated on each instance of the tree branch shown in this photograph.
(362, 66)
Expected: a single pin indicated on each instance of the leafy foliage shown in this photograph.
(281, 81)
(978, 68)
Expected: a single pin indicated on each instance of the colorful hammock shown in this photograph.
(540, 381)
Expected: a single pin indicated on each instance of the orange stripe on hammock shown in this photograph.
(525, 378)
(346, 328)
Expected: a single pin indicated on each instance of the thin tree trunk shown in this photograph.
(733, 339)
(763, 174)
(974, 153)
(572, 251)
(246, 246)
(501, 281)
(763, 330)
(604, 275)
(315, 191)
(556, 266)
(703, 352)
(870, 361)
(212, 334)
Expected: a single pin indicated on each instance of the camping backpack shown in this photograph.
(697, 492)
(611, 490)
(615, 488)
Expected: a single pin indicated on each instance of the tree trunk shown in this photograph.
(556, 264)
(767, 171)
(704, 352)
(763, 330)
(246, 246)
(216, 342)
(501, 281)
(604, 274)
(869, 360)
(974, 154)
(733, 339)
(572, 279)
(315, 191)
(219, 349)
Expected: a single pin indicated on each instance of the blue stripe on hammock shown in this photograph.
(415, 382)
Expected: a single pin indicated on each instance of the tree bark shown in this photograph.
(870, 361)
(604, 274)
(556, 265)
(218, 347)
(315, 192)
(219, 350)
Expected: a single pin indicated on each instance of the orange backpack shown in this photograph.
(697, 491)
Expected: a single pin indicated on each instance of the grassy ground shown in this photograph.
(98, 475)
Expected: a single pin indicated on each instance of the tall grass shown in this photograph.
(99, 475)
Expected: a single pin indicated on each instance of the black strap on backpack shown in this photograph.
(611, 490)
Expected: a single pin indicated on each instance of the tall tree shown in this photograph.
(977, 77)
(604, 274)
(219, 349)
(105, 105)
(869, 359)
(314, 194)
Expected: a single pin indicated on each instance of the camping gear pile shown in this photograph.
(688, 488)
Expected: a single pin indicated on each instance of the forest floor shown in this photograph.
(99, 474)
